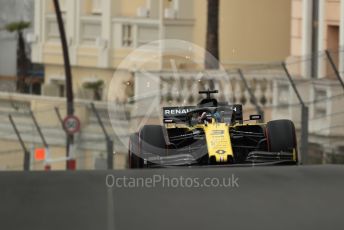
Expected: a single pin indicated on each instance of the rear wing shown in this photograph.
(178, 114)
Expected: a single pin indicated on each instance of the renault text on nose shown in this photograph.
(176, 111)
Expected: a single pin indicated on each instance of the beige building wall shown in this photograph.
(329, 33)
(250, 31)
(329, 21)
(328, 25)
(296, 28)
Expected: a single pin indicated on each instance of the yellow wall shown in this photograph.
(129, 7)
(11, 156)
(250, 31)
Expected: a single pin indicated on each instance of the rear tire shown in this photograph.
(281, 136)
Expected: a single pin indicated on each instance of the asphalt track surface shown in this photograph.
(284, 197)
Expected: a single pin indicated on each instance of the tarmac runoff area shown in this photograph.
(274, 197)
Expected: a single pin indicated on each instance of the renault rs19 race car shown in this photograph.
(212, 133)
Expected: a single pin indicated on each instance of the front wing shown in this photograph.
(187, 159)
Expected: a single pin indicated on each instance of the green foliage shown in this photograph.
(17, 26)
(94, 85)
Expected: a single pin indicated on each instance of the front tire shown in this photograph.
(150, 140)
(281, 137)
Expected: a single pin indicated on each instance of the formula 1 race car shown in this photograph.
(212, 133)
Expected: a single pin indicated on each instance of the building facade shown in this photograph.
(101, 33)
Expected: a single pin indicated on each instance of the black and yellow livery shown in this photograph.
(212, 133)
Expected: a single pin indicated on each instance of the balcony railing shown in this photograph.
(133, 32)
(184, 89)
(167, 88)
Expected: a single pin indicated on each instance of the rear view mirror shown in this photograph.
(255, 117)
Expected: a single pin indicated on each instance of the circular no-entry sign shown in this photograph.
(71, 124)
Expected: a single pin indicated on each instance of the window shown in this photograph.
(63, 6)
(61, 88)
(97, 6)
(333, 47)
(127, 39)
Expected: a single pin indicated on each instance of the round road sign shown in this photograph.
(71, 124)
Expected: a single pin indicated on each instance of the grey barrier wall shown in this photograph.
(284, 197)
